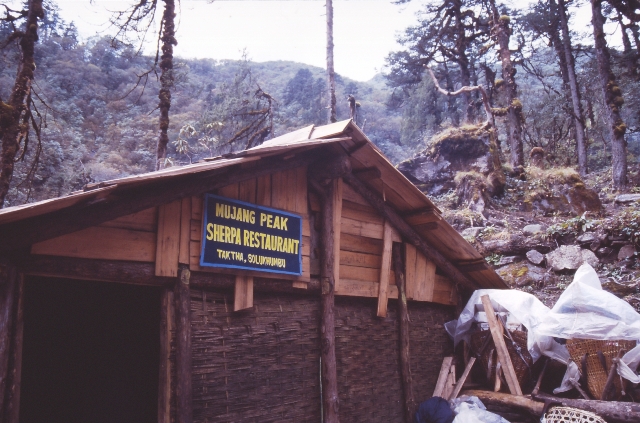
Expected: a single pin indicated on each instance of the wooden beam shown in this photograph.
(383, 286)
(185, 231)
(184, 409)
(403, 321)
(332, 168)
(368, 173)
(331, 205)
(336, 222)
(243, 293)
(501, 347)
(611, 411)
(502, 399)
(135, 273)
(8, 286)
(462, 380)
(125, 201)
(128, 272)
(408, 232)
(443, 376)
(15, 362)
(167, 326)
(168, 244)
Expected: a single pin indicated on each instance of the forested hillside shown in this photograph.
(99, 113)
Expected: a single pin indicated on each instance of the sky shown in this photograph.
(365, 31)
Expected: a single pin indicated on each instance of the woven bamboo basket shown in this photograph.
(571, 415)
(522, 361)
(596, 375)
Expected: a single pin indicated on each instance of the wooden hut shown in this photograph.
(256, 286)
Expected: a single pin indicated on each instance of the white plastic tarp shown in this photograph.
(526, 308)
(586, 311)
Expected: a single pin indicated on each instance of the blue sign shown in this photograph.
(239, 235)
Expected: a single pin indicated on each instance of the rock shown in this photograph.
(570, 257)
(604, 251)
(620, 289)
(506, 260)
(521, 274)
(594, 246)
(535, 257)
(514, 244)
(627, 198)
(626, 252)
(471, 150)
(587, 238)
(559, 190)
(472, 232)
(533, 229)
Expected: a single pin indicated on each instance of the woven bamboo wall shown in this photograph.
(255, 366)
(368, 358)
(262, 365)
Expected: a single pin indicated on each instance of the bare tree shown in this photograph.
(578, 115)
(166, 79)
(333, 117)
(612, 98)
(15, 115)
(501, 33)
(138, 19)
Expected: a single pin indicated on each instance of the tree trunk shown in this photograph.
(628, 54)
(12, 114)
(333, 117)
(330, 400)
(403, 319)
(183, 350)
(166, 78)
(612, 97)
(502, 32)
(578, 115)
(463, 62)
(554, 34)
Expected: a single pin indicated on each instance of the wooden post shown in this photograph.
(407, 232)
(443, 377)
(501, 347)
(383, 285)
(167, 325)
(8, 286)
(403, 319)
(462, 379)
(243, 294)
(328, 276)
(183, 350)
(15, 362)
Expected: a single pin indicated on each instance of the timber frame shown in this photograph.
(367, 232)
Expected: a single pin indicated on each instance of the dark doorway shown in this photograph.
(91, 352)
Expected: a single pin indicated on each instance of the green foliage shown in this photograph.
(573, 226)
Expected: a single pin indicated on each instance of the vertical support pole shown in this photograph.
(336, 199)
(385, 268)
(328, 276)
(15, 362)
(243, 295)
(183, 351)
(501, 347)
(167, 325)
(8, 286)
(403, 318)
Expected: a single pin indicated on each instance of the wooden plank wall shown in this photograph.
(131, 238)
(362, 241)
(285, 190)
